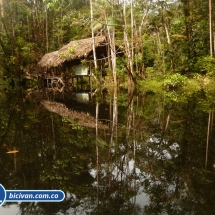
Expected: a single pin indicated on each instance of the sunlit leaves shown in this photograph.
(174, 81)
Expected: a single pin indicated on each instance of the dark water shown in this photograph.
(111, 152)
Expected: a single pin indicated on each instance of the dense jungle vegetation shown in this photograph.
(160, 136)
(169, 40)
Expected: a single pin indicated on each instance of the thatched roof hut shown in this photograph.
(78, 49)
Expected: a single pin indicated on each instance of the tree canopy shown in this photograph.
(170, 36)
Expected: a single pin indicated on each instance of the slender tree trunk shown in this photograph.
(167, 34)
(141, 43)
(210, 28)
(92, 33)
(113, 57)
(208, 137)
(129, 125)
(214, 35)
(165, 128)
(61, 24)
(29, 37)
(111, 39)
(167, 123)
(132, 34)
(1, 8)
(114, 117)
(9, 5)
(113, 48)
(169, 42)
(47, 36)
(134, 148)
(127, 45)
(53, 135)
(212, 118)
(97, 151)
(1, 13)
(161, 51)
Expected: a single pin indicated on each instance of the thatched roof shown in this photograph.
(74, 50)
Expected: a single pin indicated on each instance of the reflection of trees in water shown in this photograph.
(139, 156)
(178, 184)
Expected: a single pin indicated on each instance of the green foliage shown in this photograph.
(111, 21)
(121, 70)
(192, 86)
(175, 96)
(150, 85)
(148, 55)
(206, 65)
(72, 123)
(203, 105)
(152, 73)
(70, 50)
(174, 81)
(96, 26)
(209, 88)
(4, 83)
(25, 39)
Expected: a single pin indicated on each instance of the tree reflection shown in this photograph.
(141, 155)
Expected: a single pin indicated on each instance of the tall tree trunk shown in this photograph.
(97, 148)
(47, 36)
(92, 33)
(114, 117)
(161, 51)
(129, 125)
(132, 35)
(127, 45)
(111, 40)
(208, 137)
(1, 13)
(188, 29)
(210, 28)
(214, 35)
(141, 43)
(167, 33)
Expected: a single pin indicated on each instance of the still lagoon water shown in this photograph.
(111, 151)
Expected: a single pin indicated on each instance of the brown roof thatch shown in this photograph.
(74, 50)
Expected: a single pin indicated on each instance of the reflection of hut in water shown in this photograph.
(81, 118)
(82, 98)
(74, 61)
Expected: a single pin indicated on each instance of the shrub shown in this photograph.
(174, 81)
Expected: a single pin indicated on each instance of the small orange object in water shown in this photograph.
(12, 152)
(4, 145)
